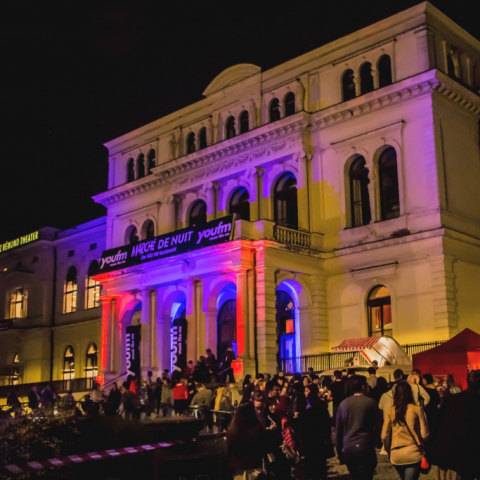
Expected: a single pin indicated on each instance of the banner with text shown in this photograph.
(181, 241)
(132, 347)
(178, 338)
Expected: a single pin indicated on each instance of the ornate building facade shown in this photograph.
(352, 171)
(333, 196)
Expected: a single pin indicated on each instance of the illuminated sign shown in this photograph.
(178, 342)
(18, 242)
(181, 241)
(132, 350)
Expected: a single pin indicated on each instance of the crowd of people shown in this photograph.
(285, 425)
(290, 426)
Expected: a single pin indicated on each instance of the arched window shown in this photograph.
(226, 327)
(91, 365)
(274, 111)
(379, 306)
(289, 104)
(148, 230)
(17, 304)
(230, 127)
(93, 287)
(130, 170)
(151, 160)
(384, 71)
(203, 138)
(244, 122)
(141, 166)
(70, 291)
(366, 78)
(285, 201)
(388, 183)
(191, 147)
(240, 203)
(285, 316)
(69, 364)
(348, 85)
(359, 198)
(198, 214)
(131, 235)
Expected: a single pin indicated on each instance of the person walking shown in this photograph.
(315, 433)
(372, 378)
(450, 388)
(356, 431)
(246, 442)
(420, 396)
(166, 399)
(405, 430)
(336, 393)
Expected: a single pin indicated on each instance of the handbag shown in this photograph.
(424, 465)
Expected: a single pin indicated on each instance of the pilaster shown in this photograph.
(445, 317)
(319, 314)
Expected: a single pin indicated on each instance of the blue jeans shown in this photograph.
(409, 472)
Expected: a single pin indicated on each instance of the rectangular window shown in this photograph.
(17, 304)
(70, 297)
(93, 293)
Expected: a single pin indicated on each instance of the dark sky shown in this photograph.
(77, 74)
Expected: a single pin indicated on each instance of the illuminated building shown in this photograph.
(50, 304)
(353, 172)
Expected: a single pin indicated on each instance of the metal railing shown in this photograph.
(292, 237)
(326, 361)
(59, 386)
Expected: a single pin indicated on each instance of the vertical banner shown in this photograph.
(178, 338)
(132, 352)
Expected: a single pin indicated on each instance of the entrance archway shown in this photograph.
(286, 341)
(226, 327)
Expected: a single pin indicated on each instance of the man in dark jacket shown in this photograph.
(356, 431)
(457, 443)
(316, 438)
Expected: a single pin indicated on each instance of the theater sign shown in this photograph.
(186, 240)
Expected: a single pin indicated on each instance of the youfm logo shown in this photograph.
(119, 257)
(214, 231)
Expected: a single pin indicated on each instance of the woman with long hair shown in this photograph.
(450, 387)
(405, 429)
(246, 441)
(420, 396)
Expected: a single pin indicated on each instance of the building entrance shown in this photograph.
(226, 327)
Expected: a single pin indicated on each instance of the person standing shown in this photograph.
(336, 392)
(372, 378)
(315, 433)
(406, 426)
(356, 431)
(450, 387)
(246, 442)
(227, 370)
(33, 398)
(114, 400)
(456, 445)
(420, 396)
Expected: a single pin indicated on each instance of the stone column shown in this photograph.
(153, 330)
(146, 332)
(319, 314)
(106, 339)
(242, 311)
(163, 336)
(266, 321)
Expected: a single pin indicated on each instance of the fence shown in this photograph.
(329, 360)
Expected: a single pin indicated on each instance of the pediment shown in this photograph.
(231, 75)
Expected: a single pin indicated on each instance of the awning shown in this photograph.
(385, 350)
(355, 344)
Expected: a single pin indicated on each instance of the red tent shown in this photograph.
(457, 356)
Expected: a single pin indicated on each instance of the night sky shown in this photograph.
(76, 75)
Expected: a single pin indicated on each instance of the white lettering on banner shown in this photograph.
(114, 259)
(213, 232)
(144, 247)
(174, 348)
(129, 353)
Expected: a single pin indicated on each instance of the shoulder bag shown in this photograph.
(424, 465)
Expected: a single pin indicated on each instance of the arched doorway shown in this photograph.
(286, 338)
(226, 327)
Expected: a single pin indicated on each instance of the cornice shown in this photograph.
(264, 141)
(423, 84)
